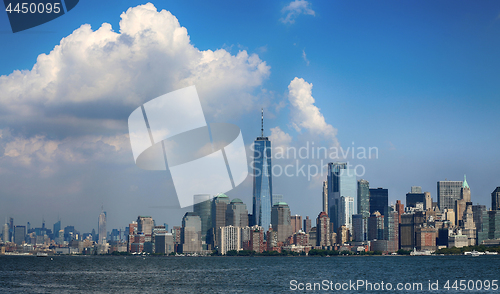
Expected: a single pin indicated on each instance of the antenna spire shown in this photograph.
(262, 123)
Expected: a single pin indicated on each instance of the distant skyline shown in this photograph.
(418, 81)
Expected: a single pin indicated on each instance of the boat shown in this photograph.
(41, 254)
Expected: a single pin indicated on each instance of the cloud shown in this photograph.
(92, 80)
(305, 57)
(44, 156)
(294, 9)
(280, 138)
(305, 115)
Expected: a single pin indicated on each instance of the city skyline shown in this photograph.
(415, 80)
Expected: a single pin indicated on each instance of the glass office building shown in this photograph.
(262, 183)
(341, 183)
(448, 192)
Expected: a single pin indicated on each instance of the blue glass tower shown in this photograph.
(262, 180)
(341, 183)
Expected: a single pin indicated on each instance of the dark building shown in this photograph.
(376, 226)
(379, 201)
(19, 234)
(491, 226)
(413, 198)
(307, 225)
(495, 199)
(364, 198)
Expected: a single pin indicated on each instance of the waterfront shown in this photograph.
(137, 274)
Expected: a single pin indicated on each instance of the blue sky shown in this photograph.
(417, 80)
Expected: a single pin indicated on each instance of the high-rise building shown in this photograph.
(219, 207)
(203, 207)
(469, 227)
(346, 211)
(19, 234)
(495, 199)
(164, 243)
(323, 230)
(325, 196)
(5, 233)
(237, 214)
(364, 198)
(477, 212)
(413, 198)
(11, 229)
(307, 225)
(448, 192)
(281, 221)
(145, 226)
(57, 228)
(400, 208)
(407, 231)
(341, 183)
(102, 228)
(491, 226)
(391, 232)
(229, 239)
(376, 226)
(296, 223)
(191, 233)
(277, 198)
(428, 201)
(262, 180)
(358, 228)
(425, 238)
(379, 201)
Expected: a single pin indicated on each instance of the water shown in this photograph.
(134, 274)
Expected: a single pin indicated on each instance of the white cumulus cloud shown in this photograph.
(305, 115)
(101, 75)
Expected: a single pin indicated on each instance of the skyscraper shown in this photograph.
(237, 214)
(341, 182)
(307, 224)
(6, 233)
(262, 180)
(191, 233)
(203, 207)
(447, 193)
(325, 196)
(495, 199)
(346, 211)
(323, 230)
(413, 198)
(229, 239)
(102, 228)
(19, 234)
(296, 223)
(281, 221)
(379, 201)
(145, 226)
(219, 207)
(57, 228)
(364, 198)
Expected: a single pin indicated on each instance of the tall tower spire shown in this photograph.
(262, 123)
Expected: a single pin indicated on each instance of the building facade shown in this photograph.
(341, 183)
(262, 180)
